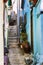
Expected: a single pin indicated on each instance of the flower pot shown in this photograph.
(26, 47)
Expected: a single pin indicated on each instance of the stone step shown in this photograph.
(14, 43)
(14, 40)
(11, 41)
(13, 46)
(12, 31)
(13, 37)
(12, 28)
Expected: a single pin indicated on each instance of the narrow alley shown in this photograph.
(23, 32)
(15, 54)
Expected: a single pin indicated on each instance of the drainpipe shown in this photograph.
(18, 19)
(31, 13)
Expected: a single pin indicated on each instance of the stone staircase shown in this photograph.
(12, 35)
(15, 54)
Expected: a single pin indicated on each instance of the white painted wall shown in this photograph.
(6, 26)
(41, 6)
(1, 33)
(14, 4)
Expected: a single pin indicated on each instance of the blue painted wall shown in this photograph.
(37, 28)
(28, 27)
(34, 31)
(27, 11)
(41, 33)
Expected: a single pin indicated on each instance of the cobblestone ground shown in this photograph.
(15, 56)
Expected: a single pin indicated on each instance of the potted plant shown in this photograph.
(26, 46)
(24, 42)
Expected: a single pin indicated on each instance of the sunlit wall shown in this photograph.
(27, 11)
(37, 27)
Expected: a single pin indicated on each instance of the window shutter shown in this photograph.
(9, 3)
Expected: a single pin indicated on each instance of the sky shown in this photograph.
(41, 6)
(14, 2)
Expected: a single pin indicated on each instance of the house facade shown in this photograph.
(37, 28)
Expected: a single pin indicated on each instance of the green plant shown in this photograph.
(24, 36)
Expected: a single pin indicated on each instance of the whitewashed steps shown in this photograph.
(12, 34)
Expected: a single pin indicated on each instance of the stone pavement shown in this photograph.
(15, 56)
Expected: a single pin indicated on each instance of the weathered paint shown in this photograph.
(6, 27)
(28, 27)
(37, 28)
(27, 11)
(1, 34)
(41, 33)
